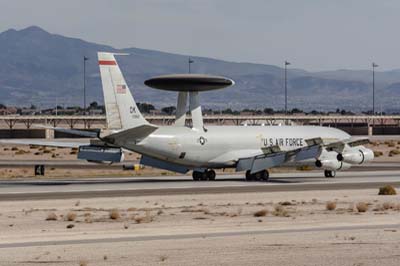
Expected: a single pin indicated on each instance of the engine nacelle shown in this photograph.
(100, 154)
(328, 161)
(357, 155)
(333, 165)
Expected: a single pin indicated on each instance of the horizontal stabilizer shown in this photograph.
(135, 134)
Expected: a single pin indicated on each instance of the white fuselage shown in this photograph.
(222, 146)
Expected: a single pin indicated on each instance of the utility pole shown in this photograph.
(373, 87)
(190, 61)
(84, 83)
(286, 64)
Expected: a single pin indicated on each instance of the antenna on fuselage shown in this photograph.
(189, 85)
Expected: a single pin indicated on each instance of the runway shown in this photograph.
(180, 185)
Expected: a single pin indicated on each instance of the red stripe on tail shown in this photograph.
(107, 63)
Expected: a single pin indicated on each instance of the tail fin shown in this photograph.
(121, 109)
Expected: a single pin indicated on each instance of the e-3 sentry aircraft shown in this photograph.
(202, 148)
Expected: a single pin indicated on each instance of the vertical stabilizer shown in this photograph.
(121, 109)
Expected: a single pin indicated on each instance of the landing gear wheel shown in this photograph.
(265, 176)
(197, 176)
(210, 175)
(259, 176)
(330, 173)
(204, 176)
(249, 177)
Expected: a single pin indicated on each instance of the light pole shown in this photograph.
(190, 61)
(373, 87)
(84, 83)
(286, 64)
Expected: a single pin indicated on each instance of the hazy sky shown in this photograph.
(313, 34)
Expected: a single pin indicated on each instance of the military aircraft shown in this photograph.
(201, 148)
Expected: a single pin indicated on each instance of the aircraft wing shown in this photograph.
(339, 145)
(273, 156)
(45, 142)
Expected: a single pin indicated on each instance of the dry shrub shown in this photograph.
(285, 203)
(331, 205)
(387, 190)
(280, 211)
(51, 217)
(147, 218)
(131, 209)
(362, 207)
(163, 258)
(391, 144)
(70, 226)
(393, 153)
(114, 214)
(378, 154)
(14, 148)
(88, 218)
(261, 213)
(21, 152)
(387, 205)
(83, 263)
(46, 151)
(71, 216)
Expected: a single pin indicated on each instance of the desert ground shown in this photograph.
(352, 227)
(330, 227)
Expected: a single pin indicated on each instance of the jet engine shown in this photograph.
(100, 154)
(356, 155)
(328, 161)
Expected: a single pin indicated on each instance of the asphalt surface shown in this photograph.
(180, 185)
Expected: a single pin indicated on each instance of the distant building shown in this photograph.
(8, 111)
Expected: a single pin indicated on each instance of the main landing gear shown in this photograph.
(204, 176)
(330, 173)
(259, 176)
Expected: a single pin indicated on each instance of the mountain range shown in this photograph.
(43, 69)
